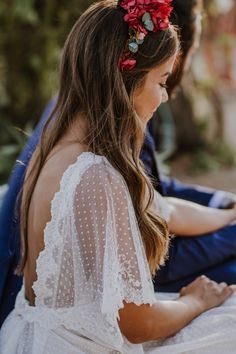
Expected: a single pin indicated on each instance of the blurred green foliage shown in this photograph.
(32, 33)
(217, 155)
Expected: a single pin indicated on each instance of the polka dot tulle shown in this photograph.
(93, 261)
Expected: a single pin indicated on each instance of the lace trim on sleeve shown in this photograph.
(93, 259)
(47, 262)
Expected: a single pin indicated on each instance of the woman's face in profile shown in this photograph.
(148, 96)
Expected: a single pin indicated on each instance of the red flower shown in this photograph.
(160, 17)
(159, 11)
(157, 18)
(133, 17)
(127, 62)
(128, 4)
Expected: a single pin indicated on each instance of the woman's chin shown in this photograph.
(147, 118)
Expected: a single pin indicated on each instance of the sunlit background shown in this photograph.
(197, 137)
(206, 127)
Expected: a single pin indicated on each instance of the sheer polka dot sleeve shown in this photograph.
(109, 257)
(94, 259)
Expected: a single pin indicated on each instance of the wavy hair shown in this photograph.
(91, 82)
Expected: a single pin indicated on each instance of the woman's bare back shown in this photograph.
(47, 185)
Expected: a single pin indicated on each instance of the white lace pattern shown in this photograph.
(94, 260)
(94, 257)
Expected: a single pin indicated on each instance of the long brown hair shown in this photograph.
(91, 82)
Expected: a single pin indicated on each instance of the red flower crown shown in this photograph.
(142, 16)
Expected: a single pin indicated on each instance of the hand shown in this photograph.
(206, 293)
(233, 287)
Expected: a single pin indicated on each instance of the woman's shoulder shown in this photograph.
(72, 163)
(63, 177)
(67, 169)
(94, 168)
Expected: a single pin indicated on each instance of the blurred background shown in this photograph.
(197, 136)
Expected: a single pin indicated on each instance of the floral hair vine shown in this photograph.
(142, 16)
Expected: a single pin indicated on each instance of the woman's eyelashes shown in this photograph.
(164, 86)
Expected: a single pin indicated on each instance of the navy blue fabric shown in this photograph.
(223, 272)
(210, 254)
(167, 186)
(174, 188)
(147, 158)
(9, 224)
(147, 153)
(192, 256)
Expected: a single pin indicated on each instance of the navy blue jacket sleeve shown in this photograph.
(174, 188)
(169, 186)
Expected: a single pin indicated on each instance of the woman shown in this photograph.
(91, 233)
(180, 261)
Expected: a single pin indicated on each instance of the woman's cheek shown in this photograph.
(157, 99)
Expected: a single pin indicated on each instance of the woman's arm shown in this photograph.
(165, 318)
(191, 219)
(144, 323)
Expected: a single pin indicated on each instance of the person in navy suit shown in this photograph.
(212, 255)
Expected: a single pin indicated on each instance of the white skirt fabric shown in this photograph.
(27, 331)
(93, 259)
(214, 332)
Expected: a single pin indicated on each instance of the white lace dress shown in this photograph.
(94, 260)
